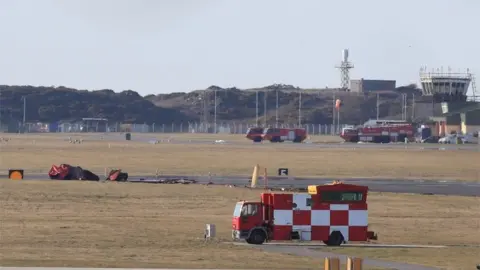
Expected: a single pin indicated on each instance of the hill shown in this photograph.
(234, 104)
(48, 104)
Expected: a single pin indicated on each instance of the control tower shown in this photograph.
(445, 86)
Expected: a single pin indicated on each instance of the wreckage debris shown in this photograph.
(164, 181)
(68, 172)
(117, 175)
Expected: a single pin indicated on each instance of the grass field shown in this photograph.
(36, 153)
(52, 223)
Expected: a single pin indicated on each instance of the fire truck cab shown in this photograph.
(274, 135)
(255, 134)
(334, 214)
(296, 135)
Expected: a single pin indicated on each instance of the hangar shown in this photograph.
(459, 118)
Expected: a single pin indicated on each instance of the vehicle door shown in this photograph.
(291, 135)
(251, 216)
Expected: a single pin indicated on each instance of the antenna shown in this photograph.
(345, 67)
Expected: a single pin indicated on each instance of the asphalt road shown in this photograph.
(447, 187)
(165, 138)
(315, 253)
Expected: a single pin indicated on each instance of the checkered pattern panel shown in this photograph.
(317, 221)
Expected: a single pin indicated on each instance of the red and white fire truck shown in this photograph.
(381, 131)
(334, 213)
(296, 135)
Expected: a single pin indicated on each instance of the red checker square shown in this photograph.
(320, 233)
(302, 217)
(358, 206)
(357, 233)
(281, 232)
(339, 218)
(320, 206)
(283, 201)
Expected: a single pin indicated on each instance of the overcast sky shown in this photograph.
(158, 46)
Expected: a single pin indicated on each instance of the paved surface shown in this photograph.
(166, 139)
(317, 245)
(308, 252)
(447, 187)
(313, 250)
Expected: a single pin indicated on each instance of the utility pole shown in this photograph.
(276, 111)
(405, 107)
(333, 115)
(24, 110)
(265, 109)
(378, 106)
(215, 112)
(205, 112)
(413, 107)
(300, 109)
(256, 105)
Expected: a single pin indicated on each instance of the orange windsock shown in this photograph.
(338, 103)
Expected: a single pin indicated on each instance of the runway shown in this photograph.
(316, 245)
(164, 138)
(429, 187)
(315, 253)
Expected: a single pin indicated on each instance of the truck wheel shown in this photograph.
(257, 139)
(275, 139)
(297, 140)
(354, 139)
(335, 239)
(257, 237)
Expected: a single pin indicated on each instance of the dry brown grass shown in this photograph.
(125, 225)
(55, 223)
(36, 153)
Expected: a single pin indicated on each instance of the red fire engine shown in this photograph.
(296, 135)
(379, 132)
(255, 134)
(335, 214)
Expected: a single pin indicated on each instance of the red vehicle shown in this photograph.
(379, 133)
(335, 214)
(296, 135)
(255, 134)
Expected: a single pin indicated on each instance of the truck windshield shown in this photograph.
(238, 209)
(255, 131)
(339, 196)
(271, 131)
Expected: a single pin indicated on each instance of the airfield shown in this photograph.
(420, 195)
